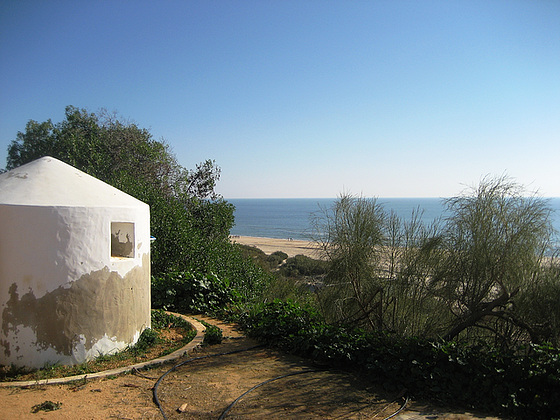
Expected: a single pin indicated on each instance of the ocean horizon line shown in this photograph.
(292, 217)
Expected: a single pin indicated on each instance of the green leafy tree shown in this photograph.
(110, 149)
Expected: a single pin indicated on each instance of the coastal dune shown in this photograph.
(289, 246)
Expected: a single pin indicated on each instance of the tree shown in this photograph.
(192, 253)
(485, 272)
(107, 148)
(377, 268)
(495, 241)
(413, 252)
(37, 141)
(353, 237)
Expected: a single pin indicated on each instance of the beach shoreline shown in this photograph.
(292, 247)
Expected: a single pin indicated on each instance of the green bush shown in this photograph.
(276, 258)
(251, 252)
(301, 265)
(246, 280)
(161, 320)
(266, 262)
(148, 338)
(232, 283)
(213, 335)
(288, 288)
(279, 322)
(188, 292)
(525, 385)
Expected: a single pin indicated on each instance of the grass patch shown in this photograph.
(168, 333)
(46, 406)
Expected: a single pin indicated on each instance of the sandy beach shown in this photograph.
(289, 246)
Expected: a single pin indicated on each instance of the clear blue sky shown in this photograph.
(304, 98)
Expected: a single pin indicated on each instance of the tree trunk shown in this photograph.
(471, 319)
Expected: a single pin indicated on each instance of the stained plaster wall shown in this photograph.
(63, 298)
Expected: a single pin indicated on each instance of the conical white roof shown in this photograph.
(49, 182)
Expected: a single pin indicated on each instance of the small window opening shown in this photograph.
(122, 239)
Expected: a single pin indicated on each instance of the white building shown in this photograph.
(74, 266)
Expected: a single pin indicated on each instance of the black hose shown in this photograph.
(223, 415)
(156, 399)
(399, 410)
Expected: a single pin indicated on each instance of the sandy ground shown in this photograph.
(270, 245)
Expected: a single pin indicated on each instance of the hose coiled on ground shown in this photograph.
(224, 413)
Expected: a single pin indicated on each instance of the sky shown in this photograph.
(304, 98)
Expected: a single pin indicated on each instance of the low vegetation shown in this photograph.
(478, 377)
(212, 335)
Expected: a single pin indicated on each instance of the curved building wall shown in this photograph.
(69, 293)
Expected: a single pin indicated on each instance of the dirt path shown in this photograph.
(204, 388)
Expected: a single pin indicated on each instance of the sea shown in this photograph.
(286, 218)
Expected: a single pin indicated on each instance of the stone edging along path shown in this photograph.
(194, 343)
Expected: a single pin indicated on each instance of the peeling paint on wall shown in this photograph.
(96, 305)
